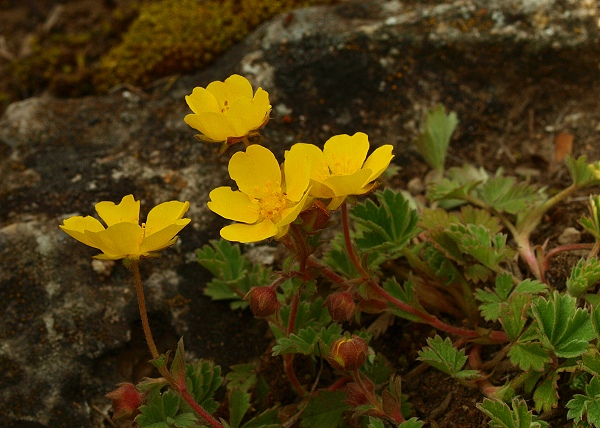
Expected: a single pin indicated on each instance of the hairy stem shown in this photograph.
(354, 258)
(179, 387)
(288, 359)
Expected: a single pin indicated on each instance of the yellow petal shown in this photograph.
(249, 232)
(335, 203)
(164, 215)
(213, 125)
(290, 214)
(241, 118)
(319, 170)
(238, 86)
(346, 154)
(128, 210)
(343, 185)
(254, 169)
(297, 172)
(76, 227)
(164, 238)
(233, 205)
(121, 240)
(202, 101)
(378, 161)
(320, 190)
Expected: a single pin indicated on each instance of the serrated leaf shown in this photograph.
(504, 194)
(307, 340)
(377, 369)
(432, 142)
(583, 276)
(565, 329)
(239, 404)
(516, 416)
(411, 423)
(324, 410)
(477, 273)
(513, 314)
(375, 423)
(241, 376)
(458, 184)
(529, 356)
(202, 380)
(586, 406)
(491, 300)
(545, 396)
(590, 362)
(388, 225)
(582, 173)
(472, 215)
(592, 223)
(477, 241)
(441, 354)
(161, 411)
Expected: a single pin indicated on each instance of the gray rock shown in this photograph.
(69, 327)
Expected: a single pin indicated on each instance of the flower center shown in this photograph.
(225, 106)
(343, 166)
(271, 200)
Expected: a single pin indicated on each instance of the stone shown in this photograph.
(69, 326)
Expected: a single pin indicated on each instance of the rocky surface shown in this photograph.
(516, 72)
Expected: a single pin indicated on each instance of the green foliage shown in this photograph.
(308, 341)
(586, 407)
(432, 142)
(563, 328)
(202, 380)
(324, 410)
(516, 416)
(592, 223)
(233, 273)
(441, 354)
(583, 276)
(162, 411)
(387, 226)
(583, 173)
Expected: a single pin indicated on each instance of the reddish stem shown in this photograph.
(354, 258)
(179, 387)
(288, 359)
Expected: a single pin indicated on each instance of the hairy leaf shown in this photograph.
(202, 380)
(513, 314)
(406, 295)
(432, 142)
(565, 329)
(239, 404)
(504, 194)
(583, 276)
(582, 173)
(529, 356)
(307, 340)
(586, 405)
(324, 410)
(545, 396)
(443, 356)
(516, 416)
(161, 411)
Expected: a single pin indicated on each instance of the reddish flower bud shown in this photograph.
(314, 218)
(340, 305)
(263, 301)
(126, 401)
(348, 353)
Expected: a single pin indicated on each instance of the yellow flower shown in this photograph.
(124, 238)
(341, 170)
(228, 111)
(268, 199)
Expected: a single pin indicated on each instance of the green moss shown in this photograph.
(180, 36)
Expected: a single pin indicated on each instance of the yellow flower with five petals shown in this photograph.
(268, 199)
(228, 111)
(343, 168)
(124, 238)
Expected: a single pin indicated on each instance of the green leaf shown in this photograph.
(565, 329)
(583, 276)
(477, 241)
(443, 356)
(516, 416)
(241, 376)
(529, 356)
(268, 419)
(582, 173)
(458, 184)
(307, 340)
(202, 380)
(386, 226)
(234, 275)
(239, 404)
(592, 223)
(432, 142)
(504, 194)
(491, 301)
(586, 406)
(406, 295)
(375, 423)
(377, 369)
(411, 423)
(513, 314)
(545, 396)
(590, 362)
(161, 412)
(324, 410)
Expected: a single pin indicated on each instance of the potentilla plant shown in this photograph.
(463, 263)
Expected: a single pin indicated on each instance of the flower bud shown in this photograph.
(126, 401)
(340, 306)
(348, 353)
(314, 218)
(263, 301)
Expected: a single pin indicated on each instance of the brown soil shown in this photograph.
(436, 399)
